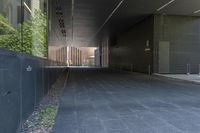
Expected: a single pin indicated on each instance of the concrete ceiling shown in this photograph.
(87, 21)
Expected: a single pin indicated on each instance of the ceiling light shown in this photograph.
(197, 11)
(165, 5)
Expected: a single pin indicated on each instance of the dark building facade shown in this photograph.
(159, 44)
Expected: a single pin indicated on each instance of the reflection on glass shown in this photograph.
(10, 30)
(23, 27)
(34, 27)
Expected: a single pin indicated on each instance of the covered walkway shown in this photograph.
(102, 101)
(42, 40)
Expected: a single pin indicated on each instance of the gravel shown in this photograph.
(43, 118)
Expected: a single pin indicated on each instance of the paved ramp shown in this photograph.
(100, 101)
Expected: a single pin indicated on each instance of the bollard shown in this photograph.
(188, 69)
(149, 70)
(131, 67)
(199, 70)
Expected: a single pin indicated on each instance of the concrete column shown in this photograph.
(81, 58)
(65, 54)
(78, 57)
(75, 56)
(71, 55)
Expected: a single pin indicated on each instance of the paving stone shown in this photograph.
(119, 131)
(100, 101)
(114, 124)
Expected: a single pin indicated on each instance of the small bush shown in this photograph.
(34, 34)
(47, 116)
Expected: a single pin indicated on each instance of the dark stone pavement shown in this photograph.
(100, 101)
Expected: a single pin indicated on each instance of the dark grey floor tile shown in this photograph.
(188, 103)
(88, 122)
(136, 106)
(186, 126)
(121, 109)
(107, 115)
(140, 127)
(65, 127)
(64, 130)
(167, 129)
(119, 131)
(98, 101)
(157, 104)
(91, 129)
(114, 124)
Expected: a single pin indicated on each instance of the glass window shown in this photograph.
(23, 26)
(10, 30)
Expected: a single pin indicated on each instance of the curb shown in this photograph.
(176, 79)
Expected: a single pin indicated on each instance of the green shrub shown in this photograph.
(34, 35)
(47, 116)
(5, 26)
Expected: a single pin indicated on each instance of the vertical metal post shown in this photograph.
(199, 69)
(149, 70)
(188, 69)
(131, 67)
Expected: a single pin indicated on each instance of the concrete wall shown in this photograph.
(129, 52)
(183, 34)
(24, 81)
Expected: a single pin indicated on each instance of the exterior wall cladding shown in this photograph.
(129, 52)
(21, 90)
(182, 32)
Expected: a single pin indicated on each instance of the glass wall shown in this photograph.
(23, 26)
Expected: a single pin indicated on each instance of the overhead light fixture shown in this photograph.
(197, 11)
(165, 5)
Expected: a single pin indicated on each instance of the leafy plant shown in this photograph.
(5, 26)
(47, 116)
(32, 42)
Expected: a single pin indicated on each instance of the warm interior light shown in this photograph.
(197, 11)
(165, 5)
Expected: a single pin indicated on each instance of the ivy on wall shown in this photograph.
(34, 40)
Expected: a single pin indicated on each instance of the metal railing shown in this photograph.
(176, 69)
